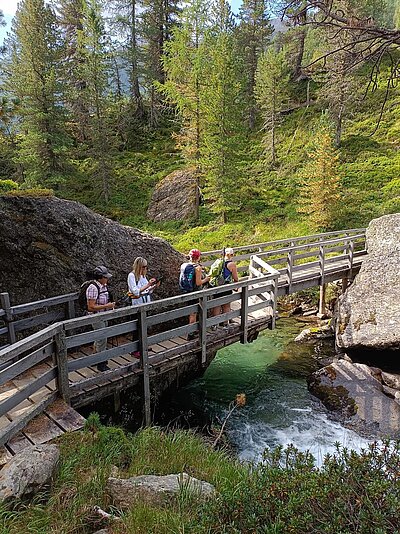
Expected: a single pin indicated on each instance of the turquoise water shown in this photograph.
(279, 410)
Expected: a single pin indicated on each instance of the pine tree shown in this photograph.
(223, 103)
(321, 181)
(184, 64)
(32, 66)
(253, 34)
(158, 17)
(70, 19)
(94, 70)
(125, 22)
(271, 93)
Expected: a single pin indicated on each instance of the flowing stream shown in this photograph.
(279, 410)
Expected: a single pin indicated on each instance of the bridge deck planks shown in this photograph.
(57, 419)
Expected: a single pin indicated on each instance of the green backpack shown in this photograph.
(216, 273)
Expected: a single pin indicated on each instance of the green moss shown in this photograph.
(30, 193)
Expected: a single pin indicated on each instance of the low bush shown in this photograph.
(350, 493)
(7, 185)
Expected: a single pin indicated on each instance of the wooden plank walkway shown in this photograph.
(57, 419)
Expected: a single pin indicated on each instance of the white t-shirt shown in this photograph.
(134, 287)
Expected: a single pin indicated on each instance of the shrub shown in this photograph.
(7, 185)
(351, 492)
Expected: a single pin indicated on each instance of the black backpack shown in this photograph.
(82, 300)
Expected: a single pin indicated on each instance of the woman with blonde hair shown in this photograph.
(138, 284)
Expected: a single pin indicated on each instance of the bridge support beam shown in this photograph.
(322, 300)
(345, 284)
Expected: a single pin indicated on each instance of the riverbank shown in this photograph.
(349, 493)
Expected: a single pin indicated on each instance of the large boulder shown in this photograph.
(176, 197)
(155, 490)
(28, 471)
(356, 393)
(369, 311)
(48, 245)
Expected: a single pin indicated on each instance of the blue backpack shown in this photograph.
(187, 277)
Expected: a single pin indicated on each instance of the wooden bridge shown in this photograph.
(53, 371)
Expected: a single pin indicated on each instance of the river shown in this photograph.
(279, 410)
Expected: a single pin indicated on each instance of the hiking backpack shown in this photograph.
(187, 277)
(82, 299)
(217, 274)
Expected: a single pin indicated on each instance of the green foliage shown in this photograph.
(351, 492)
(224, 134)
(32, 80)
(321, 181)
(271, 93)
(8, 185)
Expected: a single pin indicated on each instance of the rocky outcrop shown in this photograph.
(356, 393)
(369, 311)
(48, 245)
(311, 334)
(28, 471)
(155, 490)
(176, 197)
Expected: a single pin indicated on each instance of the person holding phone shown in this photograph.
(138, 284)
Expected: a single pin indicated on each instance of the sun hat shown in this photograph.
(101, 270)
(195, 253)
(229, 251)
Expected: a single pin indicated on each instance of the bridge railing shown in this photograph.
(244, 253)
(287, 255)
(20, 357)
(22, 318)
(54, 350)
(316, 259)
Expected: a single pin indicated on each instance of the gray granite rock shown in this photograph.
(176, 197)
(53, 242)
(28, 471)
(155, 490)
(355, 392)
(369, 311)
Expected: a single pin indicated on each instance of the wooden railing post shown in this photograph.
(244, 306)
(61, 360)
(144, 358)
(203, 328)
(274, 299)
(251, 264)
(290, 261)
(321, 260)
(351, 258)
(5, 304)
(70, 309)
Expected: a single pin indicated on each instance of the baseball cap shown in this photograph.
(195, 253)
(101, 270)
(229, 250)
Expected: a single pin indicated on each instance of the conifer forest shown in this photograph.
(286, 111)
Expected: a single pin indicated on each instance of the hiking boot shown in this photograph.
(103, 367)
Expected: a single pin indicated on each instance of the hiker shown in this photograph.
(138, 284)
(227, 274)
(98, 300)
(191, 279)
(140, 288)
